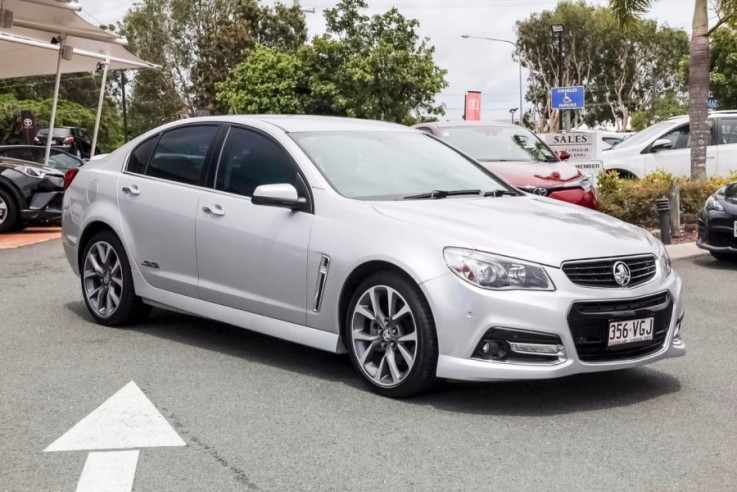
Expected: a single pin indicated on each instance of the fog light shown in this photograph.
(535, 348)
(496, 350)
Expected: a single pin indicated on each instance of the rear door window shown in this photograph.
(139, 157)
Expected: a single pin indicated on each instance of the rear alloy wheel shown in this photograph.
(391, 336)
(8, 212)
(107, 284)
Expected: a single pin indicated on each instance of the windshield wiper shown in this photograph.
(496, 193)
(435, 194)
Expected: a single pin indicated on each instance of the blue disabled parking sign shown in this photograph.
(568, 97)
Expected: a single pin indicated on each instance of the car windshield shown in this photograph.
(498, 143)
(386, 165)
(644, 136)
(63, 161)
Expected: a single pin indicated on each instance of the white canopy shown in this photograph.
(48, 37)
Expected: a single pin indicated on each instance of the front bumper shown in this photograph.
(463, 315)
(44, 206)
(717, 231)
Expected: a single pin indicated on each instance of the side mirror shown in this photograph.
(562, 155)
(661, 144)
(278, 195)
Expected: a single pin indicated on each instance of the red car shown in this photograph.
(518, 156)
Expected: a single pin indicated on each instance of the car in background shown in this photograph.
(58, 159)
(667, 146)
(518, 156)
(70, 139)
(369, 238)
(718, 224)
(30, 193)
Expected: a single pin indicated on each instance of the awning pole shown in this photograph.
(99, 108)
(49, 139)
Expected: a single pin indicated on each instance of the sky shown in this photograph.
(473, 65)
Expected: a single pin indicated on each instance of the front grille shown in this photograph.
(600, 272)
(589, 325)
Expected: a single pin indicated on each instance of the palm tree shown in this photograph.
(698, 76)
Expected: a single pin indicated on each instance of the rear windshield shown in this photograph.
(58, 132)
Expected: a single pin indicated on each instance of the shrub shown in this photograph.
(634, 201)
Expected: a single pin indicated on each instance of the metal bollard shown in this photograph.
(663, 206)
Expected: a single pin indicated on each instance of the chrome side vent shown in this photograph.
(322, 277)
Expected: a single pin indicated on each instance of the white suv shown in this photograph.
(666, 146)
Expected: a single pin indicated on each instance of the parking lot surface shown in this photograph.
(257, 413)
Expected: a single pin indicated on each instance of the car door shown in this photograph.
(676, 159)
(253, 257)
(157, 196)
(726, 161)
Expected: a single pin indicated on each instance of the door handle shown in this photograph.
(216, 210)
(131, 190)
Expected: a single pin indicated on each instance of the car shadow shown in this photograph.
(236, 342)
(571, 394)
(714, 264)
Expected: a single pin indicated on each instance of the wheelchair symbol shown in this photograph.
(567, 99)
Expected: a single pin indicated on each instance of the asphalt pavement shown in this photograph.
(258, 413)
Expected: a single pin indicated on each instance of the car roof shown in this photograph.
(306, 123)
(464, 123)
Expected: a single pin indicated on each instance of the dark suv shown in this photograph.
(69, 139)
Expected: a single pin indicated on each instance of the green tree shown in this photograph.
(622, 73)
(667, 106)
(374, 67)
(628, 11)
(268, 81)
(723, 48)
(197, 45)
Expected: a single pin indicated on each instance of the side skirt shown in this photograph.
(292, 332)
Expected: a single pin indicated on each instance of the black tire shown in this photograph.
(130, 308)
(420, 376)
(723, 256)
(12, 214)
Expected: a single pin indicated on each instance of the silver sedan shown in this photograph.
(368, 238)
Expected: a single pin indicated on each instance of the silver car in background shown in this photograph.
(370, 238)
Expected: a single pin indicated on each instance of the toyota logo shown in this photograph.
(28, 123)
(540, 191)
(622, 273)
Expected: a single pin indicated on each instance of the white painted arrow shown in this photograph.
(127, 420)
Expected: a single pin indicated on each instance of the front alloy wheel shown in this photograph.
(392, 336)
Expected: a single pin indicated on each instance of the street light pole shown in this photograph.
(519, 60)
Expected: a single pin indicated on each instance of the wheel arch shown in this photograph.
(354, 279)
(88, 233)
(7, 185)
(624, 173)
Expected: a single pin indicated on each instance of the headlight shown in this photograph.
(585, 181)
(32, 172)
(496, 272)
(713, 204)
(665, 265)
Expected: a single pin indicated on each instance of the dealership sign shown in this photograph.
(472, 106)
(583, 149)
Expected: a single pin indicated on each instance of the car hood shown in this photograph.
(10, 162)
(533, 173)
(531, 228)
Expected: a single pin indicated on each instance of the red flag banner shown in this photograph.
(473, 106)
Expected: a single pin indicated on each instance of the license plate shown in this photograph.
(630, 331)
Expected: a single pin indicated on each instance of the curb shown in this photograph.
(685, 250)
